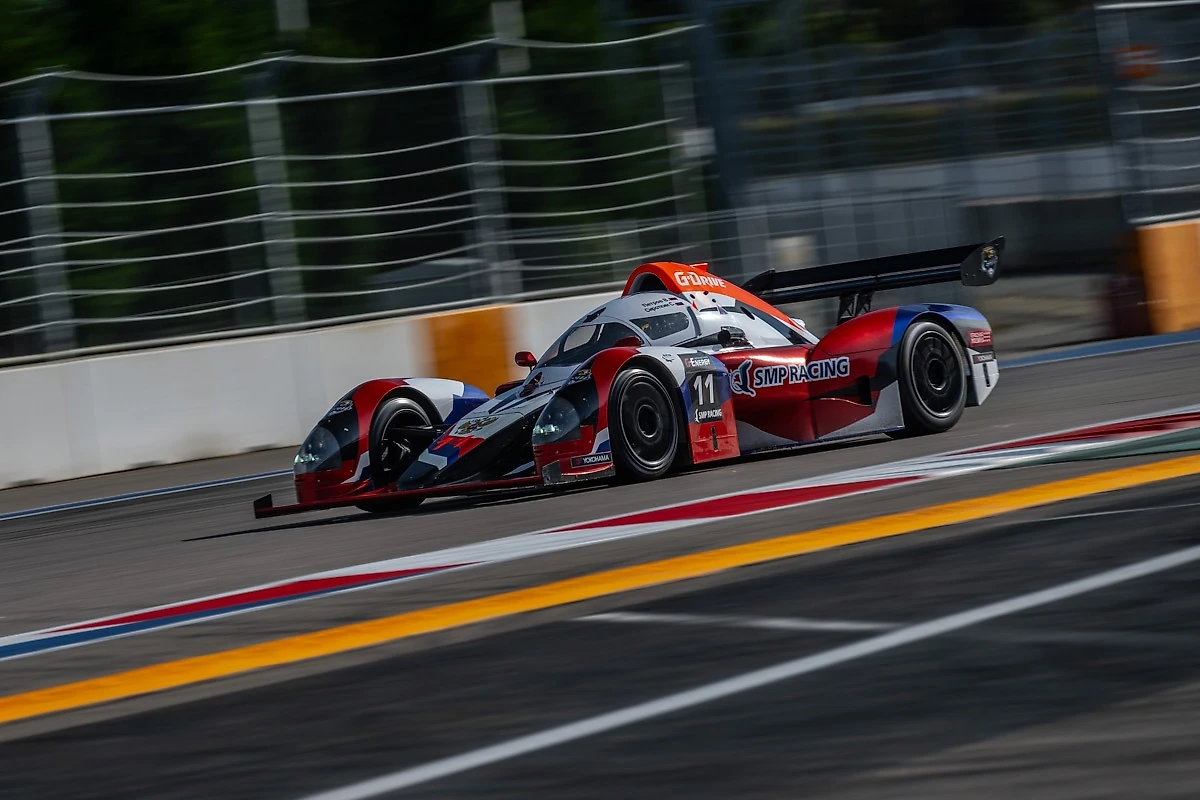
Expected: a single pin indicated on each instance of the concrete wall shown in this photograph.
(69, 419)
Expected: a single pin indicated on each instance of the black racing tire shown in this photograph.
(392, 451)
(643, 426)
(932, 373)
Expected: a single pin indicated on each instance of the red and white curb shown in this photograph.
(776, 497)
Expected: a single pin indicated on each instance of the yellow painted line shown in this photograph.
(184, 672)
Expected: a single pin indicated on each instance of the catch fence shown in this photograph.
(299, 190)
(1155, 73)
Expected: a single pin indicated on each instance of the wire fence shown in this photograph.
(300, 189)
(1156, 105)
(296, 190)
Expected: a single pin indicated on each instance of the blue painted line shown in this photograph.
(1105, 349)
(58, 641)
(120, 498)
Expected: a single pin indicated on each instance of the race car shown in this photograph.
(684, 368)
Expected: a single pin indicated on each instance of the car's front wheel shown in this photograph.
(643, 426)
(400, 431)
(933, 380)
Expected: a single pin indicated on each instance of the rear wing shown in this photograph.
(854, 281)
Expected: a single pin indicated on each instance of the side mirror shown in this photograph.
(628, 341)
(525, 358)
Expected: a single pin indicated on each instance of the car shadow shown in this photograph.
(515, 496)
(432, 509)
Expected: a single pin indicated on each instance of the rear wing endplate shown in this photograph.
(854, 281)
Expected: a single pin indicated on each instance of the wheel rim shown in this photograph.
(645, 425)
(936, 374)
(395, 450)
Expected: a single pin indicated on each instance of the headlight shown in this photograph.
(559, 422)
(319, 453)
(545, 431)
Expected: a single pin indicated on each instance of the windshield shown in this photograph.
(663, 325)
(584, 341)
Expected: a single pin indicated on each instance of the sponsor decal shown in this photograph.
(591, 460)
(467, 427)
(989, 259)
(740, 379)
(698, 280)
(703, 387)
(580, 376)
(531, 385)
(820, 370)
(345, 404)
(982, 358)
(660, 303)
(668, 357)
(748, 379)
(979, 338)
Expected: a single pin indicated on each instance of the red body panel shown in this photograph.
(781, 408)
(714, 440)
(332, 484)
(840, 400)
(574, 457)
(872, 331)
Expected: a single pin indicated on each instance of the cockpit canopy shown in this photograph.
(661, 318)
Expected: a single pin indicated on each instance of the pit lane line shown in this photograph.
(356, 636)
(1070, 354)
(748, 681)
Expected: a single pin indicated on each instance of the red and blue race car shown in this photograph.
(683, 368)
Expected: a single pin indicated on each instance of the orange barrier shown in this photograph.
(1170, 262)
(473, 345)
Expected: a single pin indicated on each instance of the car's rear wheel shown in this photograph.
(933, 380)
(400, 431)
(643, 426)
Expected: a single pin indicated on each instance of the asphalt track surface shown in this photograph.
(1095, 695)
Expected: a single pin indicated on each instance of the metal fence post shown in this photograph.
(45, 227)
(1112, 36)
(266, 144)
(718, 100)
(478, 115)
(680, 113)
(1050, 138)
(621, 233)
(961, 75)
(753, 225)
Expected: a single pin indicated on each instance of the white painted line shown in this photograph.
(143, 495)
(1111, 512)
(728, 621)
(738, 684)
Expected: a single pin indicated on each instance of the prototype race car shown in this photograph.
(683, 368)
